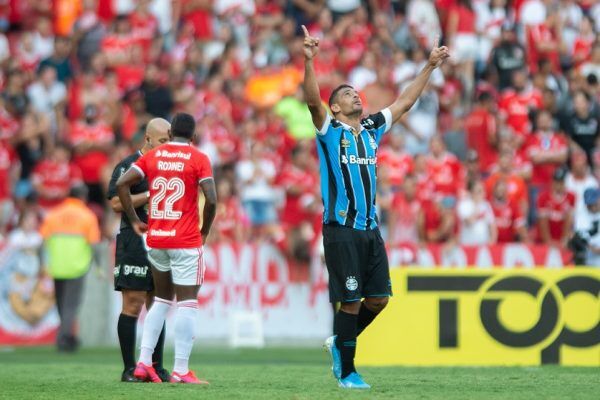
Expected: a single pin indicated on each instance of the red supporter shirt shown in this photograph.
(294, 211)
(540, 143)
(446, 174)
(56, 178)
(466, 19)
(515, 108)
(7, 158)
(582, 48)
(542, 34)
(91, 163)
(509, 218)
(406, 212)
(143, 28)
(117, 43)
(425, 187)
(200, 19)
(555, 208)
(229, 215)
(398, 164)
(480, 127)
(174, 172)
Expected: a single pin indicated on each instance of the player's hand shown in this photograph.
(311, 45)
(139, 227)
(438, 54)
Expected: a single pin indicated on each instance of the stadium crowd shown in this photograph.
(500, 147)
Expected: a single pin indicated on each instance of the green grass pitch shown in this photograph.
(278, 373)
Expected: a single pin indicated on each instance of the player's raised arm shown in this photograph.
(128, 179)
(210, 206)
(410, 95)
(311, 87)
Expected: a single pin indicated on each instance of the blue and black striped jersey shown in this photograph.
(348, 167)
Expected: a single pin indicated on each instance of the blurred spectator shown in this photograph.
(577, 182)
(302, 204)
(30, 143)
(88, 32)
(589, 232)
(379, 94)
(481, 131)
(444, 169)
(8, 178)
(555, 212)
(295, 113)
(231, 222)
(421, 123)
(54, 176)
(516, 188)
(43, 38)
(392, 158)
(256, 175)
(544, 41)
(92, 141)
(423, 18)
(404, 213)
(472, 169)
(59, 59)
(157, 96)
(69, 231)
(507, 57)
(437, 222)
(582, 125)
(509, 216)
(463, 41)
(547, 151)
(491, 17)
(476, 218)
(516, 104)
(47, 96)
(592, 67)
(15, 97)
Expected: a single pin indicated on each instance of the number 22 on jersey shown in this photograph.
(168, 192)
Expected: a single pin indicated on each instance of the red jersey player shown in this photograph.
(175, 172)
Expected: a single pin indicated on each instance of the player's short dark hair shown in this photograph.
(183, 125)
(335, 92)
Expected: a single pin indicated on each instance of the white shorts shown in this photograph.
(465, 47)
(186, 265)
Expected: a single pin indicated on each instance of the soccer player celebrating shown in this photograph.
(133, 276)
(354, 250)
(175, 171)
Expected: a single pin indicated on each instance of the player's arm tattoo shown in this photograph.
(210, 205)
(128, 179)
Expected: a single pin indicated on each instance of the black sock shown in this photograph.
(365, 317)
(126, 328)
(157, 356)
(346, 340)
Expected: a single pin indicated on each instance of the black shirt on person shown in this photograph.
(506, 58)
(583, 131)
(141, 187)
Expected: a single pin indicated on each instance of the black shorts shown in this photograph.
(132, 268)
(357, 264)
